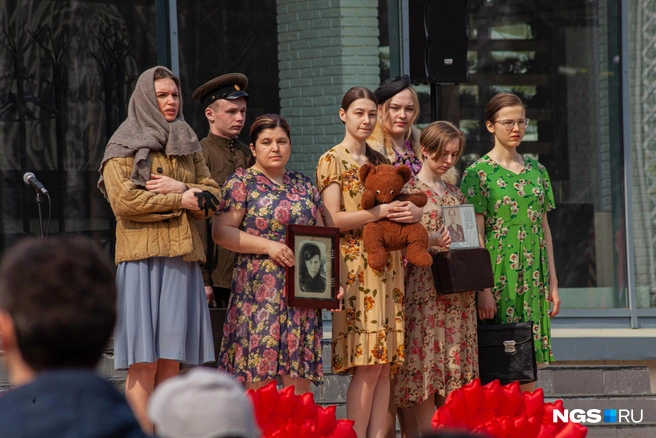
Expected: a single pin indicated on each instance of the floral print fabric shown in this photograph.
(370, 329)
(408, 158)
(513, 205)
(262, 336)
(441, 343)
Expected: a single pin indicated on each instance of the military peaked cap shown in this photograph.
(230, 87)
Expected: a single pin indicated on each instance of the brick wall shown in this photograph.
(324, 48)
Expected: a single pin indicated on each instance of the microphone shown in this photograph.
(29, 178)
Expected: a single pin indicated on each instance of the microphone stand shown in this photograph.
(38, 204)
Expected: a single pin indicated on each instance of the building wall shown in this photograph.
(324, 48)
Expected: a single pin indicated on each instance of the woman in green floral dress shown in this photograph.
(511, 196)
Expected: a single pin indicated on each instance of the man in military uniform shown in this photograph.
(224, 99)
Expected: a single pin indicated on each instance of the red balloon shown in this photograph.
(495, 429)
(324, 418)
(307, 429)
(534, 402)
(305, 408)
(547, 431)
(520, 427)
(265, 399)
(533, 426)
(443, 417)
(286, 403)
(482, 429)
(503, 412)
(547, 418)
(572, 430)
(456, 403)
(492, 394)
(292, 429)
(511, 400)
(481, 417)
(284, 414)
(344, 429)
(507, 425)
(473, 393)
(276, 423)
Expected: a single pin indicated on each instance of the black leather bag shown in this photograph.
(462, 270)
(506, 352)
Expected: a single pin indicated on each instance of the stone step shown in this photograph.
(105, 367)
(334, 388)
(645, 429)
(642, 430)
(639, 402)
(554, 380)
(4, 374)
(118, 383)
(594, 379)
(576, 382)
(574, 379)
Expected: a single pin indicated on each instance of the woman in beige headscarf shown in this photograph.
(155, 178)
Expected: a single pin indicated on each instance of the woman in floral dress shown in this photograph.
(440, 330)
(395, 135)
(262, 336)
(511, 196)
(368, 335)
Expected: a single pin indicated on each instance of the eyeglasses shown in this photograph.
(510, 124)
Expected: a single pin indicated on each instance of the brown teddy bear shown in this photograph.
(382, 185)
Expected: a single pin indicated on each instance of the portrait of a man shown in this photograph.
(454, 228)
(310, 268)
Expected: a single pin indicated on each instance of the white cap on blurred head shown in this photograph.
(203, 403)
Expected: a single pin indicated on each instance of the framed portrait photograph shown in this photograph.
(460, 222)
(314, 281)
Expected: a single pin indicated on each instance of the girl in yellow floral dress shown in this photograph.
(368, 335)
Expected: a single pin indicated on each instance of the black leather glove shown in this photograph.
(207, 201)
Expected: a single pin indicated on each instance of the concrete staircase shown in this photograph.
(580, 387)
(105, 368)
(604, 387)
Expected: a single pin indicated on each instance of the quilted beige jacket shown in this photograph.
(154, 225)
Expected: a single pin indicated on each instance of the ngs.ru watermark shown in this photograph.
(595, 415)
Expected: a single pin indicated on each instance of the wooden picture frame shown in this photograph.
(460, 221)
(320, 246)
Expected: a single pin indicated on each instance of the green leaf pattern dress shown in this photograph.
(513, 205)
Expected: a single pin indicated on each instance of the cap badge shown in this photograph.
(237, 87)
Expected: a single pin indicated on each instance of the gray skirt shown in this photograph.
(162, 313)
